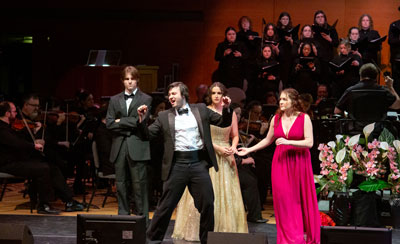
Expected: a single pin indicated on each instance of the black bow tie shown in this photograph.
(183, 111)
(129, 96)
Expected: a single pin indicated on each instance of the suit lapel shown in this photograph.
(171, 122)
(196, 114)
(135, 99)
(122, 103)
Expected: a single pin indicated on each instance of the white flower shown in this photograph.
(384, 145)
(338, 137)
(354, 156)
(396, 144)
(340, 155)
(354, 140)
(368, 130)
(332, 144)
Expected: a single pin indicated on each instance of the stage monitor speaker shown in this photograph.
(236, 238)
(15, 234)
(352, 235)
(110, 229)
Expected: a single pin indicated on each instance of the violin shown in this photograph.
(18, 124)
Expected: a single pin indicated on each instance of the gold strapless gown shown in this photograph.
(229, 213)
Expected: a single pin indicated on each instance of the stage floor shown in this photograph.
(61, 229)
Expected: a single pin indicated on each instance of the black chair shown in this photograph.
(5, 177)
(99, 175)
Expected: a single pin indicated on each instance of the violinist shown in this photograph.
(26, 164)
(254, 123)
(30, 109)
(81, 145)
(248, 181)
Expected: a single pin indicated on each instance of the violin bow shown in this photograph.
(66, 123)
(248, 123)
(44, 122)
(26, 125)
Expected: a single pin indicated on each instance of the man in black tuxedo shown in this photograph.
(130, 151)
(188, 154)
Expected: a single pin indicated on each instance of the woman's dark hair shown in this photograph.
(279, 24)
(321, 12)
(240, 22)
(274, 37)
(229, 28)
(182, 88)
(209, 91)
(273, 54)
(352, 28)
(312, 54)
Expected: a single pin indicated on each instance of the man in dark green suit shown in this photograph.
(130, 151)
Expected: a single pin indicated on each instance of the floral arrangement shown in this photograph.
(346, 156)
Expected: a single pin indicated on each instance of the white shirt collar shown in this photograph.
(134, 92)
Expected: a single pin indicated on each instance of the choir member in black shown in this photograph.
(348, 74)
(354, 37)
(394, 42)
(306, 35)
(307, 71)
(251, 40)
(283, 27)
(231, 55)
(268, 73)
(327, 40)
(249, 37)
(271, 37)
(370, 50)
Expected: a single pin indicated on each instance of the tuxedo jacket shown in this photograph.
(127, 127)
(165, 125)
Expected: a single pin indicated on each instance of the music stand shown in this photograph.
(104, 57)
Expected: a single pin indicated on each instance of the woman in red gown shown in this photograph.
(295, 199)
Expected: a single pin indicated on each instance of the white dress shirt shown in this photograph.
(129, 100)
(187, 135)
